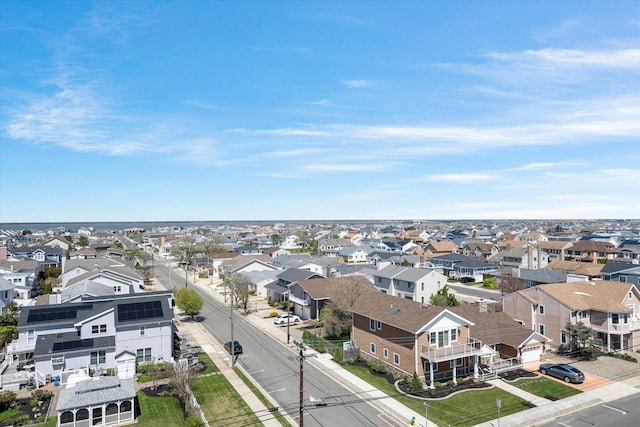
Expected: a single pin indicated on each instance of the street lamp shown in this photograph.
(426, 414)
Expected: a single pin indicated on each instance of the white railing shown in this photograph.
(300, 301)
(470, 348)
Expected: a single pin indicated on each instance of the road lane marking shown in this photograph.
(622, 411)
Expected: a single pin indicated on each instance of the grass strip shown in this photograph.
(221, 403)
(545, 387)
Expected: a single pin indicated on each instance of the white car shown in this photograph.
(283, 318)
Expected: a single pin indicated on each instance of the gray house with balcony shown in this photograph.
(116, 332)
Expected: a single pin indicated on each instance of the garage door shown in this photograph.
(531, 354)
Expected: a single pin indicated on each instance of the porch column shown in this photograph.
(476, 374)
(609, 342)
(431, 374)
(455, 370)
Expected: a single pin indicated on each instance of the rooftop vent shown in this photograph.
(396, 312)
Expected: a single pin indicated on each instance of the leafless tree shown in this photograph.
(184, 375)
(346, 290)
(242, 288)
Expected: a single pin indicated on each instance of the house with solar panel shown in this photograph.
(102, 334)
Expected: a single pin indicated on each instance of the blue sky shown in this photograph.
(277, 110)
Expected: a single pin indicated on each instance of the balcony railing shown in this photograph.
(299, 301)
(470, 348)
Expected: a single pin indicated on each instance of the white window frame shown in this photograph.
(57, 360)
(433, 338)
(541, 310)
(396, 359)
(541, 329)
(563, 336)
(378, 325)
(372, 348)
(372, 324)
(31, 336)
(453, 335)
(98, 329)
(385, 353)
(583, 315)
(142, 330)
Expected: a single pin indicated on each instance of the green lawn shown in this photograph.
(156, 411)
(221, 403)
(211, 367)
(545, 387)
(463, 409)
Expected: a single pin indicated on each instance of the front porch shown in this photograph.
(451, 362)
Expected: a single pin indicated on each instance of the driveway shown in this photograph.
(602, 371)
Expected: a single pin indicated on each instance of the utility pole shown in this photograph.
(233, 343)
(288, 317)
(186, 273)
(300, 345)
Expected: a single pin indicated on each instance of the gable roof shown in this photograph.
(295, 275)
(399, 312)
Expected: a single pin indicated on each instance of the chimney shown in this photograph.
(3, 253)
(481, 305)
(328, 272)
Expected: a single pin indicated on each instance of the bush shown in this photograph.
(285, 304)
(451, 382)
(437, 384)
(273, 314)
(460, 380)
(416, 383)
(624, 357)
(378, 366)
(41, 394)
(337, 356)
(193, 422)
(7, 398)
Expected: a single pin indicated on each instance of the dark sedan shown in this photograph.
(237, 348)
(563, 371)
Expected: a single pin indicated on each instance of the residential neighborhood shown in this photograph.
(445, 302)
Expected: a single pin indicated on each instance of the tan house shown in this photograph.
(592, 251)
(612, 309)
(555, 249)
(587, 270)
(434, 249)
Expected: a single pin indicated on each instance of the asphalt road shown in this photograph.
(276, 368)
(620, 413)
(475, 292)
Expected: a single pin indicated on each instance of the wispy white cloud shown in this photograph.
(349, 167)
(618, 58)
(354, 84)
(460, 178)
(549, 165)
(555, 31)
(321, 102)
(200, 104)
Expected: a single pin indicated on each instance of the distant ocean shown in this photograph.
(36, 226)
(73, 226)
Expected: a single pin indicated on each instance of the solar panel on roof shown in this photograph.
(72, 345)
(51, 314)
(139, 310)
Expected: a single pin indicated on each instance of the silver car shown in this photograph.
(563, 371)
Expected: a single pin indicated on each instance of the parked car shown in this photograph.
(467, 279)
(282, 319)
(563, 371)
(237, 348)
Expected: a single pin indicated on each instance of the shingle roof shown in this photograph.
(401, 313)
(96, 391)
(493, 328)
(601, 295)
